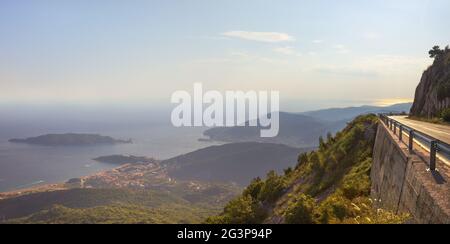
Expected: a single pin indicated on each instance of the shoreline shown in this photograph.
(58, 186)
(30, 190)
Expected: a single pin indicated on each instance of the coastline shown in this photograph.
(59, 186)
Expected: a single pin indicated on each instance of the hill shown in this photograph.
(329, 185)
(303, 129)
(236, 162)
(114, 214)
(112, 206)
(348, 114)
(69, 139)
(296, 130)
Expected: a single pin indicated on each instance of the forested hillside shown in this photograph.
(330, 185)
(96, 206)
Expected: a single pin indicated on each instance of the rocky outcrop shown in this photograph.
(433, 92)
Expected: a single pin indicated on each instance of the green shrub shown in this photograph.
(272, 188)
(302, 160)
(242, 210)
(254, 188)
(357, 183)
(445, 115)
(288, 171)
(300, 210)
(333, 209)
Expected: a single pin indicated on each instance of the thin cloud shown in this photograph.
(317, 41)
(347, 71)
(240, 54)
(341, 49)
(209, 37)
(285, 50)
(372, 35)
(260, 36)
(394, 64)
(378, 66)
(239, 58)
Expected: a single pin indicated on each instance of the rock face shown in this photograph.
(433, 92)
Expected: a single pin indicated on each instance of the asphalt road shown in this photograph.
(440, 132)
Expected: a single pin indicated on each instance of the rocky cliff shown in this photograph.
(433, 92)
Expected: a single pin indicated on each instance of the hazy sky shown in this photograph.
(331, 52)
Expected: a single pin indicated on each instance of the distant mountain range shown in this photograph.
(70, 139)
(337, 114)
(296, 130)
(236, 162)
(302, 129)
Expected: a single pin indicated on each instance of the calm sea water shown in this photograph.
(24, 166)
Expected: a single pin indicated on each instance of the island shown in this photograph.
(123, 159)
(70, 139)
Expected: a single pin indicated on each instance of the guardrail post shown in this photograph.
(433, 151)
(395, 128)
(400, 135)
(411, 140)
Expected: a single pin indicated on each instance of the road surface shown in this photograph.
(440, 132)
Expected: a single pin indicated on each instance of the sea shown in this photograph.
(24, 166)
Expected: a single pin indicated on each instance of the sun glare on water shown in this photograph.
(392, 101)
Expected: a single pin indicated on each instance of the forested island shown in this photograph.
(70, 139)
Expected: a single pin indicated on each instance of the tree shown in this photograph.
(242, 210)
(300, 210)
(322, 143)
(254, 188)
(288, 171)
(272, 189)
(302, 159)
(329, 138)
(436, 52)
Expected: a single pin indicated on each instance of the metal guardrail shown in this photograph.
(434, 145)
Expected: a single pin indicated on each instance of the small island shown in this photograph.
(123, 159)
(70, 139)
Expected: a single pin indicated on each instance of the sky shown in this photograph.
(316, 53)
